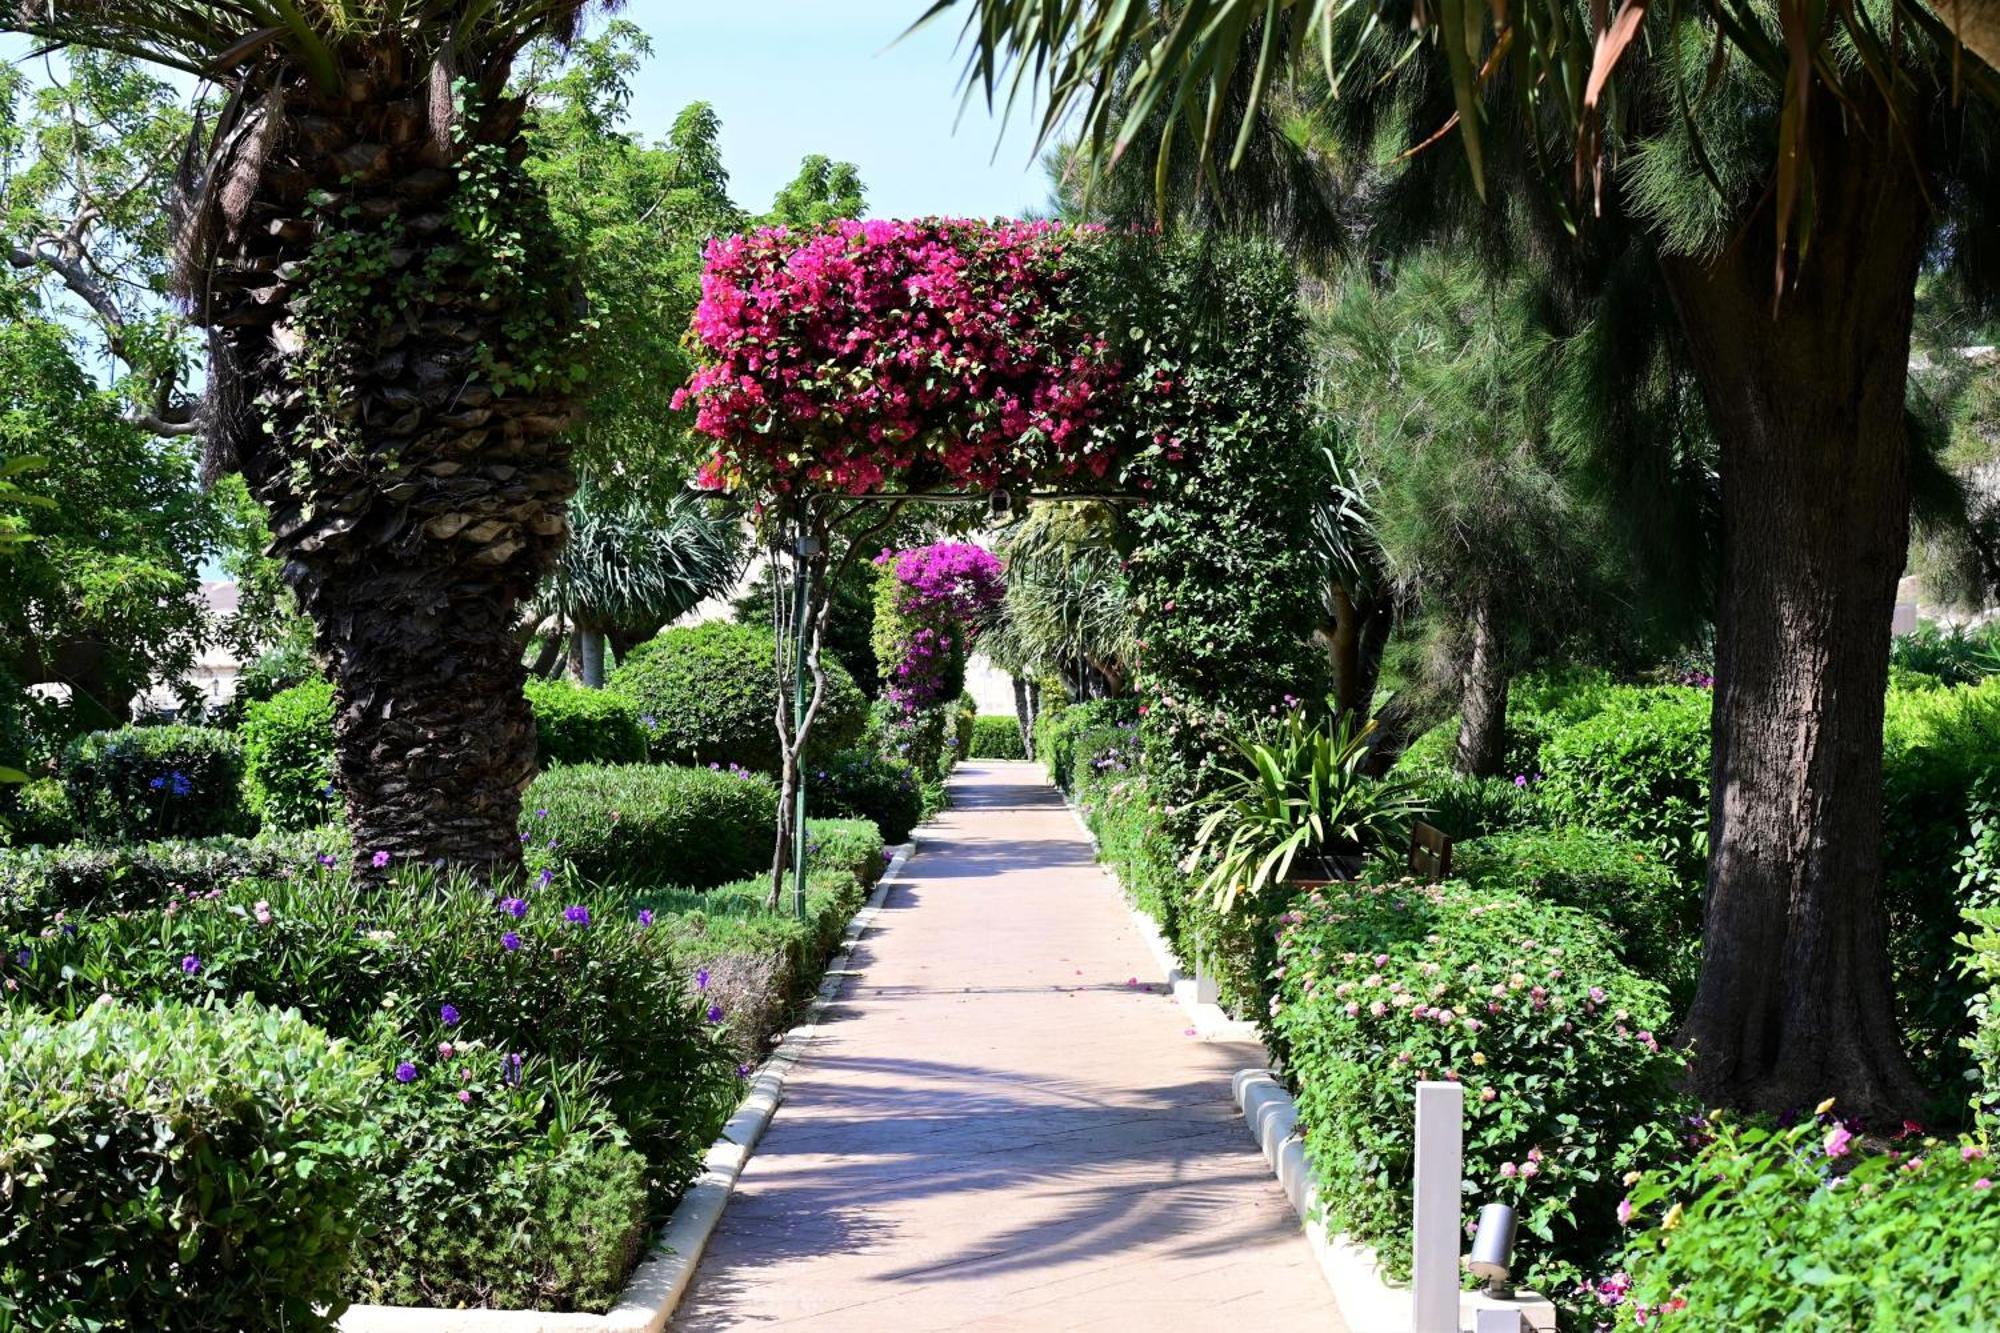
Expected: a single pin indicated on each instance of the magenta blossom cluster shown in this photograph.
(933, 352)
(955, 579)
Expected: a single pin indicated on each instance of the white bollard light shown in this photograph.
(1438, 1203)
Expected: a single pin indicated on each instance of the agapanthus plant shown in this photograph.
(923, 354)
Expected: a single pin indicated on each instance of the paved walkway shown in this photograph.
(1007, 1124)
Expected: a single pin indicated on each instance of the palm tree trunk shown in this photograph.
(1482, 728)
(379, 373)
(590, 657)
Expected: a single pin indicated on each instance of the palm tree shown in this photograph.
(631, 567)
(392, 365)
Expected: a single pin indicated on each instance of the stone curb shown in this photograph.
(660, 1280)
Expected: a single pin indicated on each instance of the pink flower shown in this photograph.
(1529, 1170)
(1624, 1212)
(1487, 1094)
(1982, 1184)
(1508, 1170)
(1838, 1141)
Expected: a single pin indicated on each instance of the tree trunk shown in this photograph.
(374, 377)
(1977, 24)
(1482, 728)
(1353, 640)
(1024, 716)
(1795, 1002)
(590, 657)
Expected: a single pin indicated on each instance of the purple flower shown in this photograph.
(701, 978)
(715, 1013)
(645, 916)
(191, 964)
(542, 813)
(510, 941)
(406, 1072)
(325, 859)
(157, 783)
(465, 1094)
(1520, 779)
(379, 860)
(511, 1071)
(448, 1015)
(577, 914)
(514, 907)
(545, 878)
(743, 1071)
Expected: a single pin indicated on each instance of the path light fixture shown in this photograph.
(999, 504)
(1492, 1254)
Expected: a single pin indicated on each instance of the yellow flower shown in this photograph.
(1632, 1178)
(1824, 1107)
(1672, 1219)
(1479, 1057)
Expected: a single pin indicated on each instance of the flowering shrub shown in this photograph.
(1520, 1001)
(929, 607)
(140, 783)
(504, 1181)
(705, 695)
(169, 1162)
(1058, 730)
(1816, 1227)
(866, 785)
(646, 824)
(926, 353)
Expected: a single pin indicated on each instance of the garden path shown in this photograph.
(1005, 1122)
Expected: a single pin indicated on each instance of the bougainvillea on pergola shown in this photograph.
(912, 356)
(848, 365)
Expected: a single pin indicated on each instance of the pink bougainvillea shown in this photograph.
(956, 579)
(920, 354)
(939, 597)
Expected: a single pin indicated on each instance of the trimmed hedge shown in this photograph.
(705, 695)
(178, 1168)
(646, 824)
(1639, 768)
(853, 846)
(1057, 730)
(135, 784)
(578, 725)
(866, 785)
(288, 756)
(41, 816)
(997, 738)
(1654, 914)
(1524, 1003)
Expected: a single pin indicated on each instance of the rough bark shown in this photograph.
(414, 501)
(1482, 728)
(1024, 716)
(1795, 1002)
(1353, 638)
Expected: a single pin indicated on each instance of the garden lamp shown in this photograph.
(1493, 1248)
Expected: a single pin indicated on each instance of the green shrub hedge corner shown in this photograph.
(997, 738)
(1798, 1228)
(852, 846)
(523, 1195)
(1638, 767)
(1654, 914)
(1524, 1003)
(866, 785)
(645, 824)
(575, 724)
(288, 756)
(756, 966)
(41, 815)
(135, 784)
(178, 1168)
(705, 695)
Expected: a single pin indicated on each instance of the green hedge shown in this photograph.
(866, 785)
(578, 725)
(288, 756)
(1639, 768)
(705, 695)
(646, 824)
(1521, 1001)
(1805, 1228)
(1057, 730)
(997, 738)
(853, 846)
(40, 815)
(178, 1168)
(139, 783)
(1468, 808)
(1654, 913)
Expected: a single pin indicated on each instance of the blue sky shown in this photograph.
(792, 77)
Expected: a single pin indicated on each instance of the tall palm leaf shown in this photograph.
(392, 364)
(631, 567)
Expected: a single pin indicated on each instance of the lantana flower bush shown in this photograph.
(1567, 1084)
(927, 353)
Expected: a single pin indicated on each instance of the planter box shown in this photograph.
(662, 1277)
